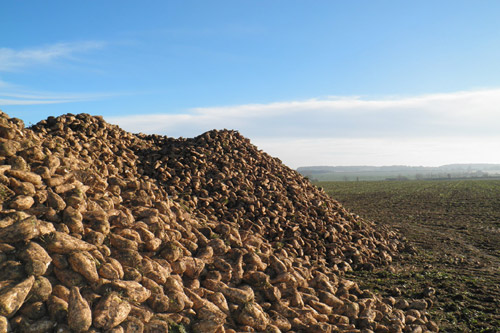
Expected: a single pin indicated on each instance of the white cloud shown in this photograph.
(473, 112)
(427, 129)
(432, 151)
(11, 59)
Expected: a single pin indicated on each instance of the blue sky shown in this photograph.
(311, 82)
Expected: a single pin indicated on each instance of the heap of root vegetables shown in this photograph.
(107, 231)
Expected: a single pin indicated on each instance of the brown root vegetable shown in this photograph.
(85, 264)
(79, 313)
(156, 326)
(68, 277)
(110, 311)
(36, 259)
(25, 176)
(12, 298)
(240, 295)
(132, 325)
(22, 202)
(25, 229)
(111, 270)
(188, 266)
(33, 311)
(132, 290)
(251, 314)
(58, 308)
(60, 242)
(4, 324)
(41, 290)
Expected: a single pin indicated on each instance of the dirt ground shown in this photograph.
(454, 227)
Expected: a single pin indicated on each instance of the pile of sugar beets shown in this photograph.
(107, 231)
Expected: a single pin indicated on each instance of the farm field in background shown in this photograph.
(391, 175)
(454, 227)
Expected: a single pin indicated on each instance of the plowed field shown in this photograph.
(454, 227)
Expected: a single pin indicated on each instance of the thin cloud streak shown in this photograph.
(31, 102)
(36, 102)
(14, 60)
(15, 95)
(40, 98)
(11, 60)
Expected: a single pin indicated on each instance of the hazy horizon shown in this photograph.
(395, 165)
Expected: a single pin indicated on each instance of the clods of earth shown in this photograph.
(107, 231)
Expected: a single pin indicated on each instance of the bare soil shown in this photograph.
(454, 229)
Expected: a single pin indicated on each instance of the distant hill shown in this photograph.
(400, 172)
